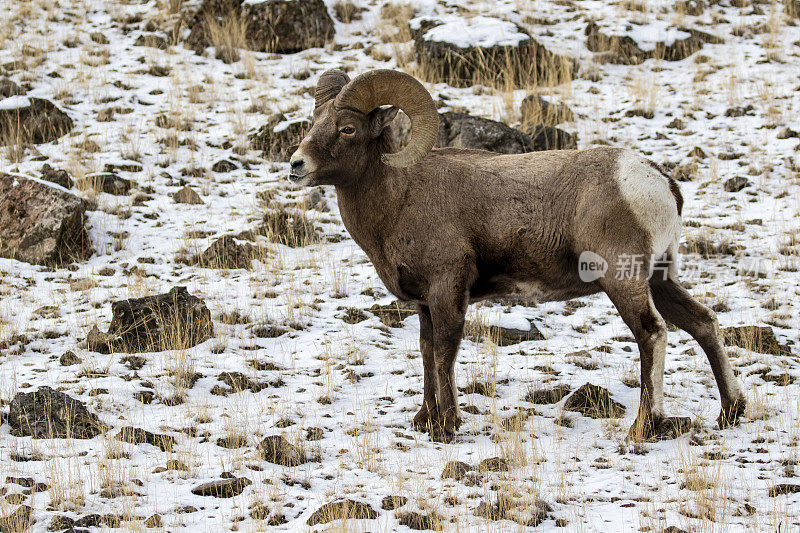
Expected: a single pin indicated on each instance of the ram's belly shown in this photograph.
(527, 292)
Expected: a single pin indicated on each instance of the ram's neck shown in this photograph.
(370, 207)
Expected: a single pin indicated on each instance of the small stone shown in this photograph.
(59, 177)
(314, 434)
(174, 464)
(151, 40)
(395, 313)
(232, 442)
(106, 182)
(455, 470)
(15, 499)
(547, 396)
(390, 503)
(421, 522)
(223, 488)
(69, 358)
(153, 521)
(595, 402)
(224, 165)
(697, 153)
(494, 464)
(18, 521)
(187, 195)
(278, 450)
(134, 435)
(685, 172)
(98, 37)
(787, 133)
(736, 184)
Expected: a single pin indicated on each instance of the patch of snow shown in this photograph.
(478, 31)
(14, 102)
(648, 35)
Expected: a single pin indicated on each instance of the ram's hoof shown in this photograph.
(665, 428)
(729, 416)
(424, 420)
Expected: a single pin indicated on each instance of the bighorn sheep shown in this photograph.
(446, 227)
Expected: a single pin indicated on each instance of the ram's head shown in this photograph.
(348, 136)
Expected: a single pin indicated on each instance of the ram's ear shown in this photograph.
(380, 118)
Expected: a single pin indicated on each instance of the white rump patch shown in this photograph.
(648, 194)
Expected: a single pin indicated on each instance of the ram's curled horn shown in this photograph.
(389, 87)
(329, 85)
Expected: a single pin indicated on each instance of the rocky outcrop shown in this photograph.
(502, 53)
(40, 223)
(172, 321)
(461, 130)
(31, 120)
(343, 510)
(50, 414)
(625, 50)
(284, 26)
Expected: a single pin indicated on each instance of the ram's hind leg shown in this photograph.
(678, 307)
(633, 301)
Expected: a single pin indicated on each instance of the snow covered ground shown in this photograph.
(362, 383)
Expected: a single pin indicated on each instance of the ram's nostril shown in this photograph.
(297, 164)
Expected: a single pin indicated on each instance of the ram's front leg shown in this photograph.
(448, 305)
(428, 415)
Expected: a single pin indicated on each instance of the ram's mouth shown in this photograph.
(298, 179)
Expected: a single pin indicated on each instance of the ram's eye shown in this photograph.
(348, 130)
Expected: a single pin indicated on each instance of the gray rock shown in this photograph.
(536, 110)
(456, 470)
(187, 195)
(279, 451)
(171, 321)
(625, 50)
(69, 358)
(152, 40)
(50, 414)
(59, 177)
(271, 26)
(223, 488)
(595, 402)
(107, 182)
(461, 130)
(133, 435)
(224, 165)
(41, 224)
(225, 253)
(736, 184)
(38, 122)
(18, 521)
(546, 396)
(462, 67)
(9, 88)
